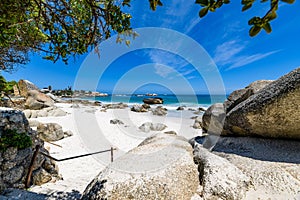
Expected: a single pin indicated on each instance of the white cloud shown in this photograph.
(191, 25)
(168, 59)
(226, 51)
(191, 77)
(163, 71)
(245, 60)
(230, 54)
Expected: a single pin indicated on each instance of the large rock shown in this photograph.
(155, 100)
(148, 126)
(219, 178)
(272, 165)
(161, 167)
(25, 86)
(198, 123)
(15, 162)
(140, 108)
(213, 119)
(37, 100)
(241, 95)
(56, 112)
(115, 106)
(272, 112)
(50, 132)
(160, 111)
(41, 176)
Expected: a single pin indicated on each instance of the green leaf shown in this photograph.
(246, 7)
(202, 2)
(159, 3)
(267, 27)
(288, 1)
(203, 12)
(254, 31)
(271, 15)
(253, 20)
(226, 1)
(126, 3)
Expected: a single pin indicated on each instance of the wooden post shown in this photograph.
(37, 148)
(111, 154)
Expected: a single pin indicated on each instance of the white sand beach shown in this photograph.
(93, 132)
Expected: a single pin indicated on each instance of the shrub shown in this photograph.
(10, 138)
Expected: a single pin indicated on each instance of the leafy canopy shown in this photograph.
(6, 87)
(62, 28)
(256, 23)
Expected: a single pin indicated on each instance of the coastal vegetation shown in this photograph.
(11, 138)
(59, 29)
(6, 88)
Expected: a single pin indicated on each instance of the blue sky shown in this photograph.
(239, 58)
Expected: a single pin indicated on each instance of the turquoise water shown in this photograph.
(169, 100)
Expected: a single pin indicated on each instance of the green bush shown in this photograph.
(10, 138)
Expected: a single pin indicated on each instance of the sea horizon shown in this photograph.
(170, 100)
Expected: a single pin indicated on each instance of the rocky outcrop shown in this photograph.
(160, 111)
(272, 112)
(180, 108)
(116, 121)
(213, 119)
(161, 167)
(140, 108)
(241, 95)
(46, 112)
(155, 100)
(270, 168)
(115, 106)
(14, 161)
(198, 123)
(50, 132)
(148, 126)
(37, 100)
(25, 86)
(219, 178)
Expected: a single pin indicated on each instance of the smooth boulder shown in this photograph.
(273, 112)
(219, 178)
(198, 123)
(37, 100)
(140, 108)
(272, 165)
(161, 167)
(213, 119)
(50, 132)
(155, 100)
(160, 111)
(25, 86)
(148, 126)
(241, 95)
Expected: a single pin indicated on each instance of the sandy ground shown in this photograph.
(93, 132)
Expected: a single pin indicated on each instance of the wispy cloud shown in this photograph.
(163, 71)
(245, 60)
(161, 58)
(230, 55)
(168, 65)
(225, 52)
(191, 25)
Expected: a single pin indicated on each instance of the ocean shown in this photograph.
(171, 101)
